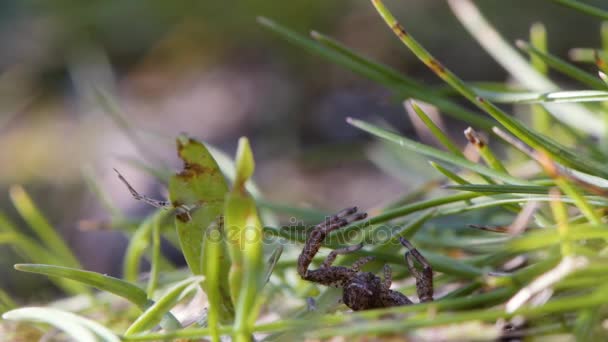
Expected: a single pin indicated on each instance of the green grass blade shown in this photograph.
(563, 66)
(501, 51)
(435, 130)
(138, 243)
(556, 150)
(113, 285)
(584, 8)
(155, 312)
(401, 85)
(156, 258)
(432, 152)
(79, 328)
(40, 225)
(500, 189)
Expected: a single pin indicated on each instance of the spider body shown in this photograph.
(361, 290)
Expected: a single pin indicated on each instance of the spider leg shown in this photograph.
(424, 278)
(333, 254)
(151, 201)
(356, 267)
(320, 231)
(388, 277)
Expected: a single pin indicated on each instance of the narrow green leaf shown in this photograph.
(563, 66)
(432, 152)
(79, 328)
(584, 8)
(435, 130)
(155, 312)
(45, 232)
(113, 285)
(400, 84)
(535, 140)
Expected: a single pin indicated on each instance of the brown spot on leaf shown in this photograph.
(399, 30)
(474, 137)
(192, 170)
(480, 99)
(183, 216)
(436, 66)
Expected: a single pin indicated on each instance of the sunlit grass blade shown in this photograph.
(432, 152)
(449, 174)
(79, 328)
(405, 87)
(550, 97)
(503, 188)
(507, 56)
(40, 225)
(557, 151)
(563, 66)
(155, 312)
(584, 8)
(435, 130)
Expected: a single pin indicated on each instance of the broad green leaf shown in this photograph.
(197, 192)
(79, 328)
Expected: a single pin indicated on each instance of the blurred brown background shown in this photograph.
(208, 69)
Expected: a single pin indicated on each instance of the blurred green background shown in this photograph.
(208, 69)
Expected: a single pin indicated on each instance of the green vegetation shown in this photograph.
(515, 252)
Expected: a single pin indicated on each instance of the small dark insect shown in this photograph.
(361, 290)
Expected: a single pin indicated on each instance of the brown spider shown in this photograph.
(361, 290)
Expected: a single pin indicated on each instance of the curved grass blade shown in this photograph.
(155, 312)
(138, 244)
(40, 225)
(405, 87)
(79, 328)
(537, 141)
(113, 285)
(563, 66)
(584, 8)
(432, 152)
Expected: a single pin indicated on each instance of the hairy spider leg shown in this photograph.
(388, 296)
(424, 279)
(359, 263)
(320, 231)
(388, 277)
(151, 201)
(333, 254)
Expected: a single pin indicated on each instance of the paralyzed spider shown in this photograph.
(361, 290)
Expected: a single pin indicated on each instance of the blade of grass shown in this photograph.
(432, 152)
(406, 87)
(563, 66)
(155, 312)
(560, 153)
(584, 8)
(435, 130)
(113, 285)
(502, 52)
(40, 225)
(79, 328)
